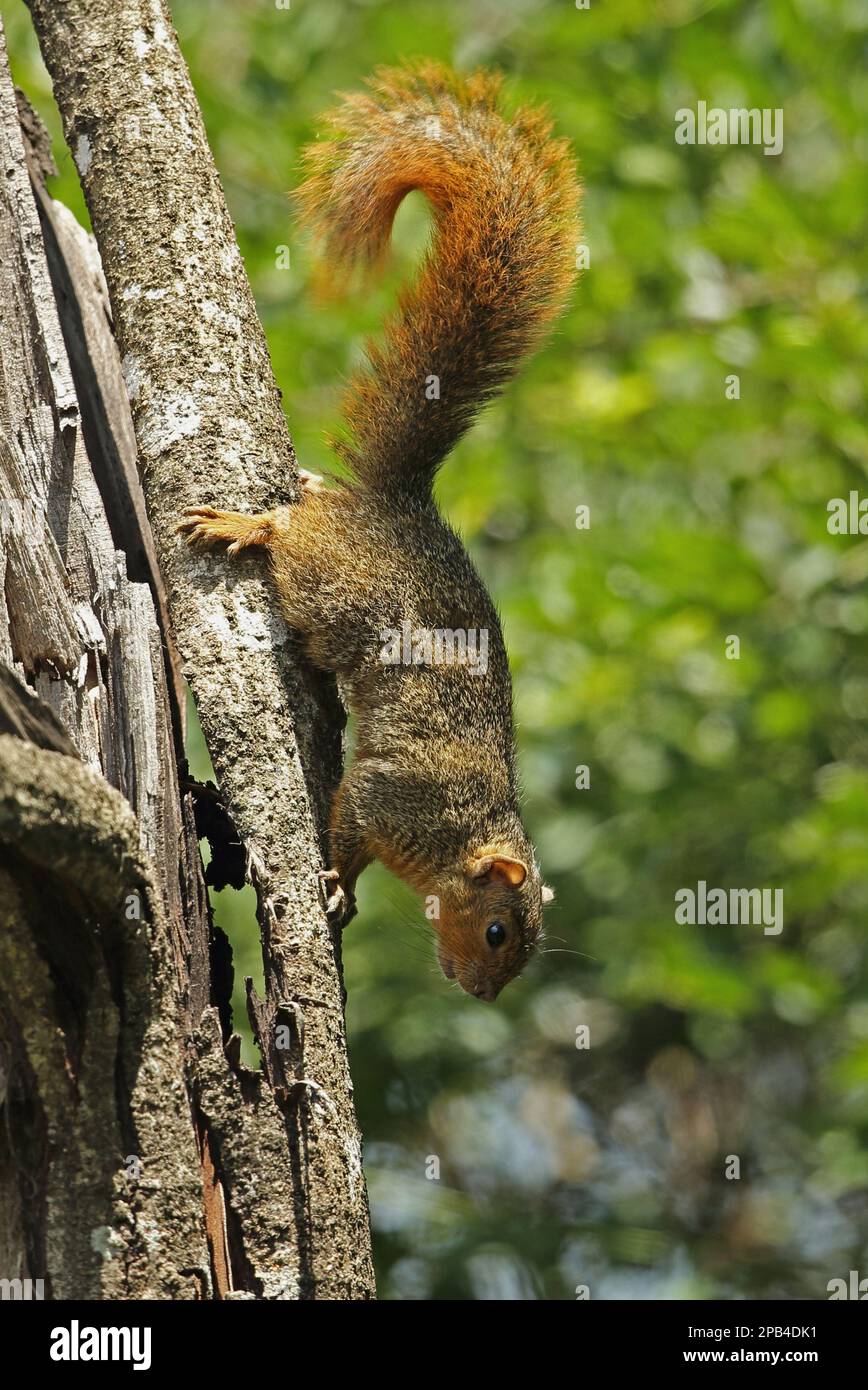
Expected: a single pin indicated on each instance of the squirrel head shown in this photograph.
(490, 919)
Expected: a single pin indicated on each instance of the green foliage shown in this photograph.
(561, 1166)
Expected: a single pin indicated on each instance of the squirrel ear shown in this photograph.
(495, 867)
(548, 894)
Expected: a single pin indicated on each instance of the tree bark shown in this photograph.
(145, 1160)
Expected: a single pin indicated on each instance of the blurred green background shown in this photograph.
(606, 1166)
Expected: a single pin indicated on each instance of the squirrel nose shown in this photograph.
(486, 992)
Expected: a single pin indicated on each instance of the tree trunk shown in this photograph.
(140, 1158)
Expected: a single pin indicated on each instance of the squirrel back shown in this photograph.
(504, 198)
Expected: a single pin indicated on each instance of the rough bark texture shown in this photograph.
(99, 1149)
(101, 1180)
(249, 1184)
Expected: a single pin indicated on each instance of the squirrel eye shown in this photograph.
(495, 934)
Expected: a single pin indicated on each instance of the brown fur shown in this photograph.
(504, 198)
(432, 788)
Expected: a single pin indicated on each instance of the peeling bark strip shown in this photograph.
(209, 428)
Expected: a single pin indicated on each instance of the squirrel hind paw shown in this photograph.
(207, 526)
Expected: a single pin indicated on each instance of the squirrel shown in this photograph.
(432, 790)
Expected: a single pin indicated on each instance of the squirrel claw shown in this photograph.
(338, 904)
(196, 523)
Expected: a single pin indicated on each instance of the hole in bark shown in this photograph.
(233, 902)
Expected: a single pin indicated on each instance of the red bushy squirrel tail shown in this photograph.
(504, 196)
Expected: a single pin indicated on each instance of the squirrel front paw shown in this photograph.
(338, 903)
